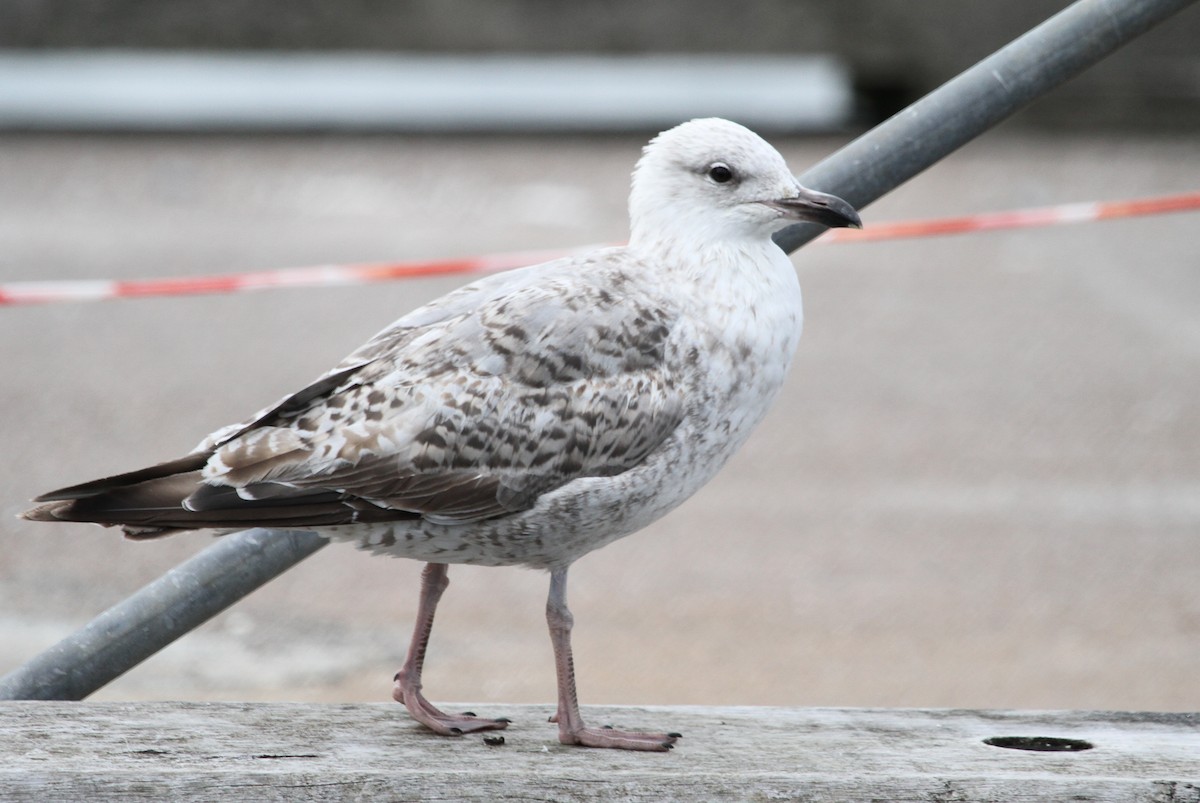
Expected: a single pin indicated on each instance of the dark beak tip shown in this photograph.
(847, 216)
(818, 207)
(838, 219)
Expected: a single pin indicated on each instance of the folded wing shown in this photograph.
(466, 409)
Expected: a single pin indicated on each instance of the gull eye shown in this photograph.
(720, 173)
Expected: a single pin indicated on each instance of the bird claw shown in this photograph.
(437, 720)
(621, 740)
(453, 725)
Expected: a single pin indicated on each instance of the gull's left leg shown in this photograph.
(408, 680)
(571, 729)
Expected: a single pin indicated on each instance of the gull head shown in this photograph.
(712, 180)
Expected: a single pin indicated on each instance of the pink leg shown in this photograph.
(407, 688)
(571, 729)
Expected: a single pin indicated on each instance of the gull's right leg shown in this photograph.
(407, 688)
(571, 728)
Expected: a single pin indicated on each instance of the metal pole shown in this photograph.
(977, 99)
(181, 600)
(869, 167)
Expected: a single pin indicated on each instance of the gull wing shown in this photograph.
(472, 407)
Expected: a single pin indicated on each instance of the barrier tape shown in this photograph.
(1019, 218)
(14, 293)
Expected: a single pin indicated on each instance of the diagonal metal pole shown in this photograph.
(976, 100)
(179, 601)
(864, 170)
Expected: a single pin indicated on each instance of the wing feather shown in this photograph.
(474, 406)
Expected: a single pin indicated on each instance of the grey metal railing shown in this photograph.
(863, 171)
(179, 601)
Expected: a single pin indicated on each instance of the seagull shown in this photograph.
(530, 417)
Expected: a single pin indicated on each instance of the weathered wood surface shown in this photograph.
(302, 752)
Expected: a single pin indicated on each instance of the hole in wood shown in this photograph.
(1043, 744)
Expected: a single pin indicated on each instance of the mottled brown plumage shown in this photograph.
(531, 417)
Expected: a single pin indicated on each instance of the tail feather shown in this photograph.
(153, 502)
(143, 509)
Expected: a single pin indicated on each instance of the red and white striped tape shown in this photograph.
(13, 293)
(45, 292)
(1019, 218)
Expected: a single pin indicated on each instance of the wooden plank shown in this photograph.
(302, 752)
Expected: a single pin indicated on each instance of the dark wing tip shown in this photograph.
(42, 512)
(190, 462)
(61, 495)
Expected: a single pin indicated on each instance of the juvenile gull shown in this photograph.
(530, 417)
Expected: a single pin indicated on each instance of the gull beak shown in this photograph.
(817, 207)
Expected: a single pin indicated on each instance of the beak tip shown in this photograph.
(819, 207)
(847, 216)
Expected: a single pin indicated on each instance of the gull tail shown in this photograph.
(172, 497)
(145, 503)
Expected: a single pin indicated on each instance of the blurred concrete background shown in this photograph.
(895, 51)
(980, 488)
